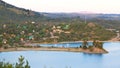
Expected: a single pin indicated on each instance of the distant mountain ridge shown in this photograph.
(83, 15)
(106, 20)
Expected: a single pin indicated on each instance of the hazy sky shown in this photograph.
(98, 6)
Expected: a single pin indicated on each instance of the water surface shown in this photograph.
(54, 59)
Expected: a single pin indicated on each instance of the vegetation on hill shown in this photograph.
(86, 31)
(20, 33)
(10, 13)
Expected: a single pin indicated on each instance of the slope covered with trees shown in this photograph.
(20, 33)
(10, 13)
(86, 31)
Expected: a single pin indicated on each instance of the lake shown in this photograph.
(54, 59)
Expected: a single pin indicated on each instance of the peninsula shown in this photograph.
(94, 51)
(96, 48)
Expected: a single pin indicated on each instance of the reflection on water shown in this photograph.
(87, 54)
(54, 59)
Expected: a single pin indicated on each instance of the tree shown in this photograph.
(85, 43)
(19, 64)
(98, 44)
(94, 43)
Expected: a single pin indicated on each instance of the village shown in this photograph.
(32, 32)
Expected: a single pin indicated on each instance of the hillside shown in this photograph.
(10, 13)
(85, 31)
(21, 33)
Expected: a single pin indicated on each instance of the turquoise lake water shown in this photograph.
(54, 59)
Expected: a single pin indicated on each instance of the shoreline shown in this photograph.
(67, 42)
(59, 49)
(64, 42)
(29, 47)
(87, 41)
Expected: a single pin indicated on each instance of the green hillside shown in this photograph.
(85, 31)
(21, 33)
(10, 13)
